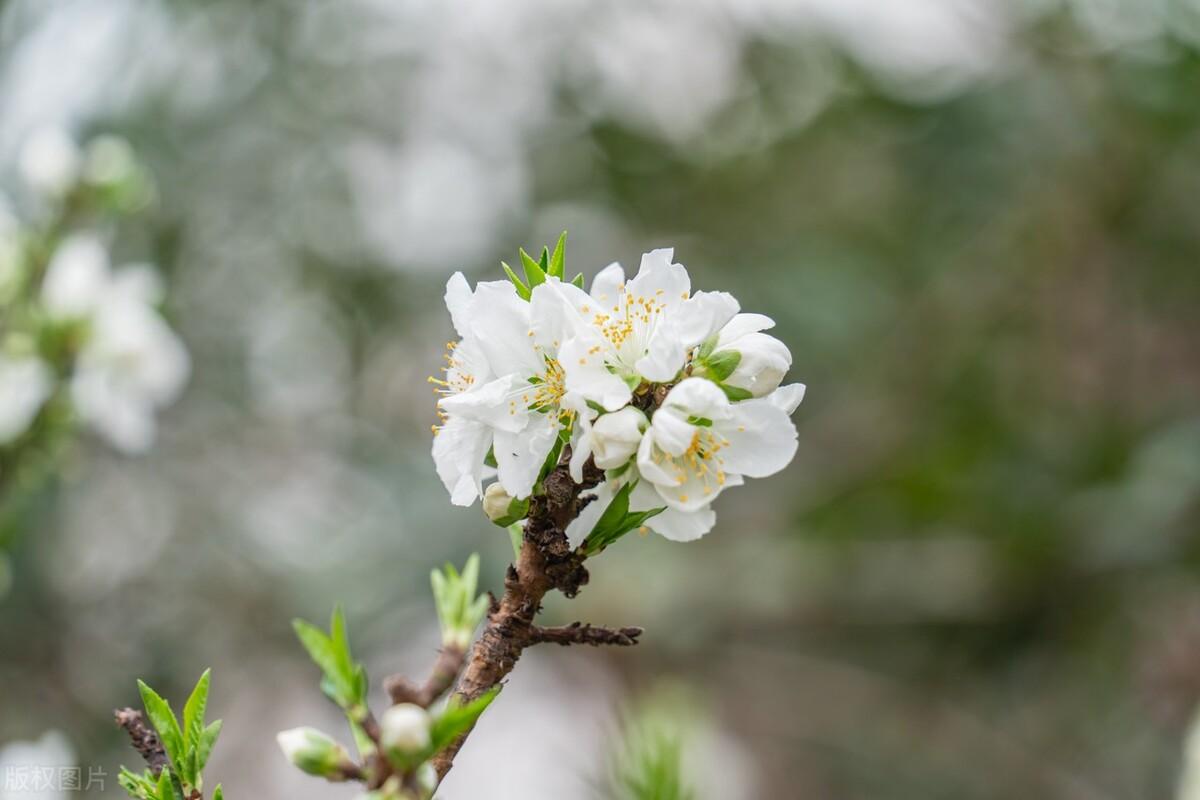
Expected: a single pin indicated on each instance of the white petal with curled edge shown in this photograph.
(653, 465)
(672, 433)
(665, 355)
(659, 279)
(762, 439)
(787, 397)
(702, 315)
(458, 301)
(742, 324)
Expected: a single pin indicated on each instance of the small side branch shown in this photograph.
(143, 738)
(583, 633)
(441, 678)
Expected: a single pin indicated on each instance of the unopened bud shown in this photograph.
(500, 506)
(404, 729)
(314, 753)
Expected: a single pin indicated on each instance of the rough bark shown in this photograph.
(546, 562)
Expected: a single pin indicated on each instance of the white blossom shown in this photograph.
(699, 443)
(25, 384)
(535, 364)
(49, 161)
(525, 403)
(77, 276)
(623, 333)
(131, 364)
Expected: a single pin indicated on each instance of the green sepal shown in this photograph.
(558, 260)
(706, 347)
(719, 366)
(736, 393)
(578, 280)
(523, 291)
(517, 511)
(490, 458)
(533, 270)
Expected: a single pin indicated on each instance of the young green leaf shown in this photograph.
(616, 521)
(578, 280)
(193, 710)
(208, 738)
(558, 260)
(218, 793)
(456, 718)
(164, 722)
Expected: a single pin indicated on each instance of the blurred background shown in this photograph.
(977, 225)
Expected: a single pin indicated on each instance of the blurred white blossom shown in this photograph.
(25, 383)
(34, 770)
(50, 161)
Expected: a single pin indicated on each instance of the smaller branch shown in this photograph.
(584, 633)
(441, 678)
(143, 737)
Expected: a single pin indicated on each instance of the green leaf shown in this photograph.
(578, 280)
(616, 521)
(457, 718)
(544, 261)
(218, 793)
(208, 739)
(533, 270)
(720, 366)
(516, 535)
(164, 722)
(319, 646)
(343, 680)
(523, 291)
(736, 393)
(193, 710)
(559, 258)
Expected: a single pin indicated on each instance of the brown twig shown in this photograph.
(441, 679)
(143, 738)
(583, 633)
(546, 561)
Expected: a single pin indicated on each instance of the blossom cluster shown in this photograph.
(76, 335)
(675, 394)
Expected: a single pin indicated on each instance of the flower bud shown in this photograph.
(404, 728)
(763, 363)
(314, 753)
(496, 502)
(616, 436)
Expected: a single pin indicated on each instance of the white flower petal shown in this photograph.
(762, 439)
(665, 355)
(787, 397)
(520, 455)
(587, 374)
(615, 437)
(658, 278)
(653, 464)
(500, 322)
(581, 526)
(606, 286)
(459, 449)
(458, 302)
(678, 526)
(672, 433)
(742, 324)
(763, 363)
(77, 276)
(702, 315)
(497, 403)
(25, 383)
(698, 397)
